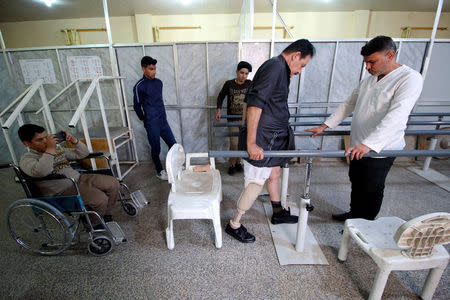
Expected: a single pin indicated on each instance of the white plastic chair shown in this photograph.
(398, 245)
(193, 195)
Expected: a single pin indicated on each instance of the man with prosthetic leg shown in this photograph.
(268, 129)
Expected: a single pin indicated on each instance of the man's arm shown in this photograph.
(244, 113)
(137, 102)
(342, 112)
(81, 150)
(220, 98)
(255, 152)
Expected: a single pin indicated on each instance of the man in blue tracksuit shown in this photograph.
(149, 107)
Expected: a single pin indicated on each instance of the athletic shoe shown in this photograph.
(162, 175)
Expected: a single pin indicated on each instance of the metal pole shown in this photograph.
(284, 185)
(433, 35)
(8, 142)
(84, 126)
(2, 42)
(47, 112)
(274, 19)
(282, 22)
(83, 103)
(112, 150)
(304, 208)
(127, 114)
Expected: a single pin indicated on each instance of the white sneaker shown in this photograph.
(162, 175)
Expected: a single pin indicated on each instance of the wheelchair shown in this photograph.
(50, 225)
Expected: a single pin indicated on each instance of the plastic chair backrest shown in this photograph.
(174, 162)
(421, 234)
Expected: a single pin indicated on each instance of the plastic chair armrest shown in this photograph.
(191, 155)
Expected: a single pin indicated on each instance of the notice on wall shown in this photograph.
(84, 67)
(34, 69)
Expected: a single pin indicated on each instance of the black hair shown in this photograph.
(303, 46)
(27, 131)
(377, 44)
(148, 60)
(244, 64)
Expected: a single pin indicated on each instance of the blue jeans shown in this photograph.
(156, 129)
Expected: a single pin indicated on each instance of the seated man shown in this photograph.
(99, 192)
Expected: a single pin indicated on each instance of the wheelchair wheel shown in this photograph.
(38, 226)
(100, 245)
(130, 209)
(124, 192)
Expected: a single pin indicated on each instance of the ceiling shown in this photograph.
(28, 10)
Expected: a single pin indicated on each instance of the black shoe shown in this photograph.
(238, 168)
(107, 218)
(241, 234)
(231, 170)
(283, 216)
(342, 217)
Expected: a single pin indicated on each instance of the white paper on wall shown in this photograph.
(84, 67)
(33, 69)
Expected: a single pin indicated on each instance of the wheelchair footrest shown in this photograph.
(139, 199)
(117, 233)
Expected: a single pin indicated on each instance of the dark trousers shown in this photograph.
(368, 176)
(155, 130)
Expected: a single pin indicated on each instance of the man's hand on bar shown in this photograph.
(255, 152)
(357, 151)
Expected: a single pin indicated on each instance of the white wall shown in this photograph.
(216, 27)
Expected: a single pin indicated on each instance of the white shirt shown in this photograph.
(380, 109)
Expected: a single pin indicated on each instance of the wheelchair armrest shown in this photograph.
(94, 155)
(98, 171)
(53, 177)
(48, 177)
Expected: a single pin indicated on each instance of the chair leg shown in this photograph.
(431, 283)
(169, 232)
(217, 229)
(343, 249)
(379, 284)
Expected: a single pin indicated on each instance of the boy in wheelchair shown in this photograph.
(99, 192)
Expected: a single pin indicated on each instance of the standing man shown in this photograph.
(149, 107)
(234, 90)
(268, 129)
(381, 105)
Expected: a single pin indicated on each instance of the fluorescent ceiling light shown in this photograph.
(48, 2)
(186, 2)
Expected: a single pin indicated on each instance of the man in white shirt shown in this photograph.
(381, 105)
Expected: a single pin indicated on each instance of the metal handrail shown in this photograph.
(24, 101)
(76, 117)
(345, 132)
(57, 95)
(323, 115)
(335, 154)
(15, 101)
(345, 123)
